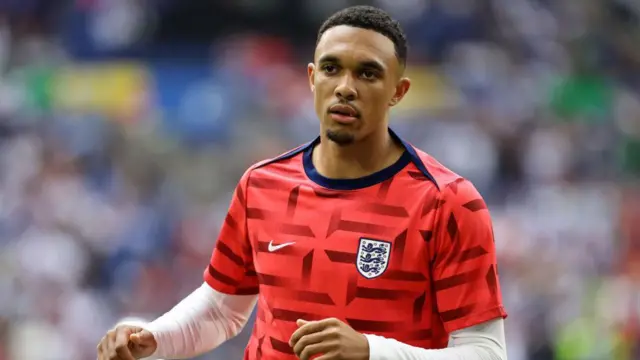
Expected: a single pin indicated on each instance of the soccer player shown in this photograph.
(355, 246)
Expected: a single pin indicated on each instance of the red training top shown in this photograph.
(406, 253)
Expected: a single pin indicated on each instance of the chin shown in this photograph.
(341, 137)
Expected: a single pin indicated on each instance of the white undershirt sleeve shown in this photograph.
(484, 341)
(200, 322)
(207, 318)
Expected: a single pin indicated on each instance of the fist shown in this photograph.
(126, 342)
(331, 339)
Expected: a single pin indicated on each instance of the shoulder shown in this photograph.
(452, 187)
(287, 155)
(439, 173)
(279, 162)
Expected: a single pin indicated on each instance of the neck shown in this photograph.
(356, 160)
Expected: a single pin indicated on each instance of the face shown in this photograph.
(355, 78)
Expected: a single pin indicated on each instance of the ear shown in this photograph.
(311, 71)
(402, 87)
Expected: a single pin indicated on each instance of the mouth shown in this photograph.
(344, 113)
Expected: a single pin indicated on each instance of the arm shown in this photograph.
(480, 342)
(463, 256)
(200, 323)
(219, 309)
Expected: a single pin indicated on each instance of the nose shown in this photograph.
(346, 90)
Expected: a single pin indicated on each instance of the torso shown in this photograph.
(358, 255)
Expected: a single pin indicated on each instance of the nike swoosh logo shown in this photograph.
(273, 248)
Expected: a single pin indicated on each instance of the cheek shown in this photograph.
(320, 99)
(320, 88)
(377, 99)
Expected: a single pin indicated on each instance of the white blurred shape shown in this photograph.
(84, 317)
(466, 149)
(51, 255)
(35, 340)
(547, 156)
(118, 23)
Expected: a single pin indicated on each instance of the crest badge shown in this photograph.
(372, 257)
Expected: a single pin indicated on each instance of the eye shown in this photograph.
(329, 69)
(369, 75)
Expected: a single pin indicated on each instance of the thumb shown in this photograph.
(301, 322)
(143, 337)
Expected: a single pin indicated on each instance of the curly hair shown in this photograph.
(370, 18)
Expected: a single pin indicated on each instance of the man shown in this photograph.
(355, 246)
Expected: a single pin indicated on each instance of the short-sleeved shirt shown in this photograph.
(406, 253)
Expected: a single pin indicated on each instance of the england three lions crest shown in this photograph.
(373, 257)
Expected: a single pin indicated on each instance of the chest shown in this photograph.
(314, 240)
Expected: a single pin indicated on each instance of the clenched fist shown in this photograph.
(126, 342)
(332, 339)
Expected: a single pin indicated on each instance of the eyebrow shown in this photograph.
(367, 64)
(374, 65)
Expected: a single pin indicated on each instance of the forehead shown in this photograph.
(349, 43)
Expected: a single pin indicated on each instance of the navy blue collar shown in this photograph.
(352, 184)
(407, 157)
(410, 155)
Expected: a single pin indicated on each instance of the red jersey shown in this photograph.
(406, 253)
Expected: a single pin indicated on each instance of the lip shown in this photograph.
(343, 110)
(343, 119)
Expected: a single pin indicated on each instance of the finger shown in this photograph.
(301, 322)
(122, 336)
(122, 345)
(123, 353)
(310, 328)
(312, 339)
(331, 355)
(104, 351)
(108, 345)
(142, 338)
(101, 349)
(317, 349)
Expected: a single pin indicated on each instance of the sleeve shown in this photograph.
(199, 323)
(485, 341)
(463, 258)
(231, 269)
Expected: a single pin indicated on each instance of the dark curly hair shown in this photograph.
(370, 18)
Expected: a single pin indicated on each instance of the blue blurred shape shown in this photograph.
(195, 101)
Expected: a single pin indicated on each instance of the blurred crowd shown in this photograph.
(122, 135)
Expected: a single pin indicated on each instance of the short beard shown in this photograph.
(340, 138)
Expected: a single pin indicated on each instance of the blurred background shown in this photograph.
(125, 125)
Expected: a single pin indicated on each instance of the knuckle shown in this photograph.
(303, 342)
(305, 354)
(102, 342)
(119, 328)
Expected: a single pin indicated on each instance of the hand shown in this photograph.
(126, 342)
(332, 338)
